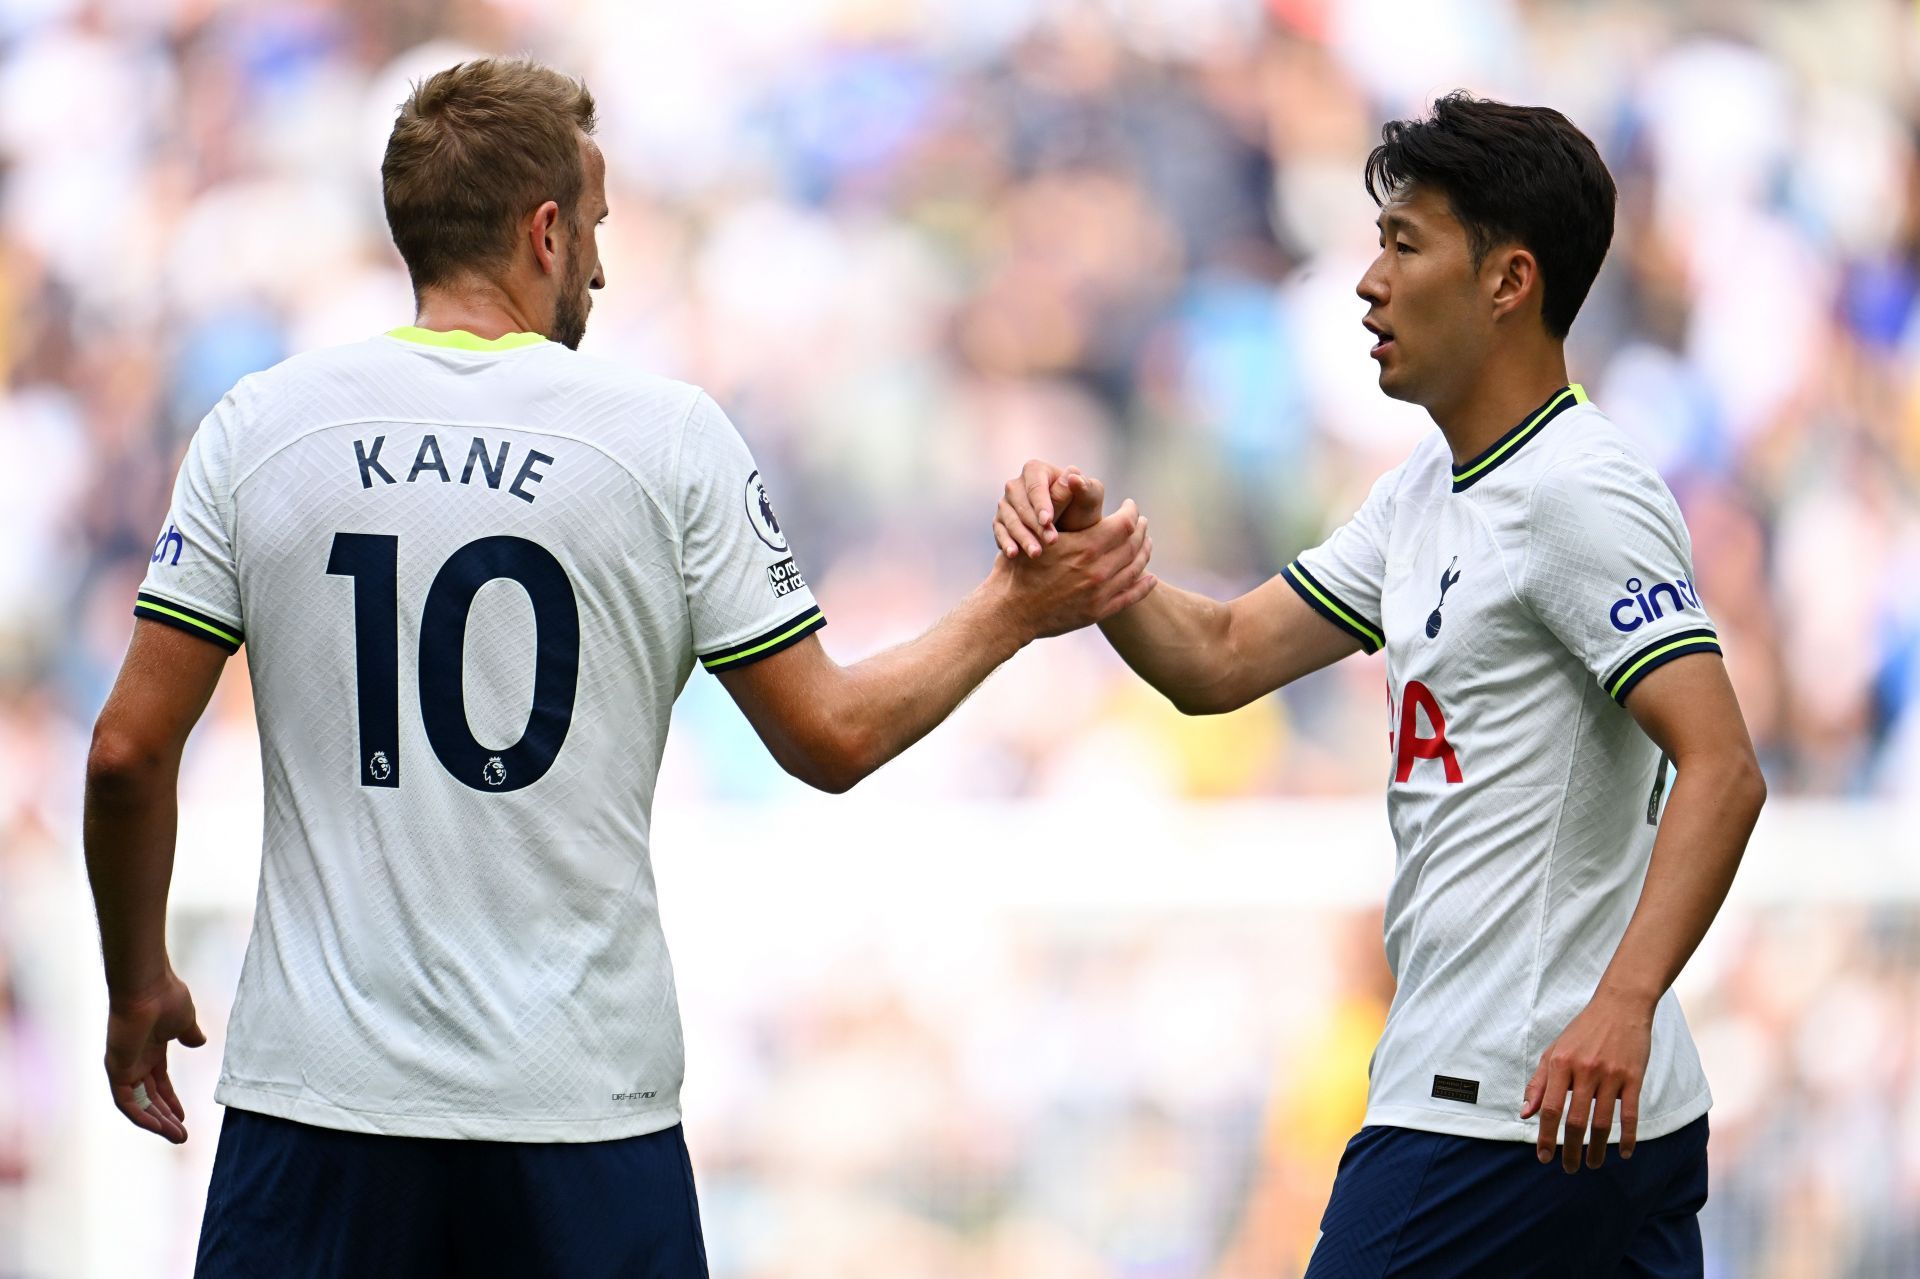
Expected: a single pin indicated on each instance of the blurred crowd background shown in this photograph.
(908, 245)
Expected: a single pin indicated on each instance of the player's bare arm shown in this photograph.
(831, 725)
(131, 810)
(1688, 708)
(1206, 656)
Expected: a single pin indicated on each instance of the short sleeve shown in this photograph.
(1341, 579)
(1609, 570)
(192, 582)
(745, 592)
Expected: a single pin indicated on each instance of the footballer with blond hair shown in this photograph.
(473, 568)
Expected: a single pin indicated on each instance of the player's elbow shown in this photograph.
(1751, 783)
(118, 759)
(1741, 778)
(855, 754)
(1198, 701)
(836, 760)
(1218, 696)
(1735, 776)
(823, 774)
(1219, 681)
(833, 781)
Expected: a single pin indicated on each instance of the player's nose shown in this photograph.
(1373, 285)
(599, 280)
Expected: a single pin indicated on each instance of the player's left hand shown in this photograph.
(138, 1029)
(1600, 1058)
(1042, 502)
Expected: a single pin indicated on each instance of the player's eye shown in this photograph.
(1403, 247)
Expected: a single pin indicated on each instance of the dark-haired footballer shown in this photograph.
(1531, 581)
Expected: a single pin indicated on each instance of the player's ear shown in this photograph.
(1515, 277)
(541, 232)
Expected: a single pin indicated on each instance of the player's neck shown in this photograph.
(486, 311)
(1498, 400)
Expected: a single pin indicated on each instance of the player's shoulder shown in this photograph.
(1589, 450)
(608, 402)
(321, 365)
(1593, 480)
(624, 387)
(261, 406)
(615, 382)
(297, 384)
(1421, 477)
(1425, 461)
(1430, 460)
(648, 422)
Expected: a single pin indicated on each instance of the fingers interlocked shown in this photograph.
(1042, 502)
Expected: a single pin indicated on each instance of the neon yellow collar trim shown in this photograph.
(461, 340)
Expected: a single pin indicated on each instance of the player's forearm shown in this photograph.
(1179, 642)
(128, 831)
(891, 700)
(1703, 834)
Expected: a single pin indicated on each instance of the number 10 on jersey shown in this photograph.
(372, 560)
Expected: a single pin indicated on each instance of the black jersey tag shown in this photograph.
(1659, 789)
(1447, 1088)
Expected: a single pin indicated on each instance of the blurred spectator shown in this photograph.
(1126, 242)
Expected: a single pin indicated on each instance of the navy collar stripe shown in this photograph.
(1466, 475)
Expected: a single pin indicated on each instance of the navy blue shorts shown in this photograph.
(292, 1201)
(1426, 1204)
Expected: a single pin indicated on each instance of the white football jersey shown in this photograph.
(1520, 597)
(472, 576)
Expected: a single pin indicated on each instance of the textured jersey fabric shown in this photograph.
(471, 577)
(1520, 598)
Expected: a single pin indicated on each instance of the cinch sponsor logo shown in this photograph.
(1640, 607)
(169, 538)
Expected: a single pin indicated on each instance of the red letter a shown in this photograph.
(1414, 747)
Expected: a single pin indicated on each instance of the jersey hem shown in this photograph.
(321, 1114)
(1434, 1119)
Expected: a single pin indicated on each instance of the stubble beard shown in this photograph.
(570, 316)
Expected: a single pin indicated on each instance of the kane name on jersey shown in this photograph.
(472, 577)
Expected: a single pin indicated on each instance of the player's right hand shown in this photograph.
(1085, 576)
(138, 1030)
(1042, 502)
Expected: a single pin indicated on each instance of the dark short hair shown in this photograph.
(477, 147)
(1512, 174)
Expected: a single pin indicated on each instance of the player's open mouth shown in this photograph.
(1384, 335)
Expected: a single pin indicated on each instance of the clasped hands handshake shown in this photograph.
(1063, 562)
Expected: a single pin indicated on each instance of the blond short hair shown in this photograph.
(476, 148)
